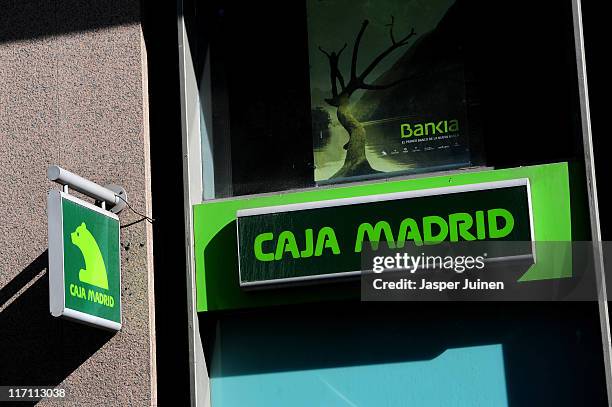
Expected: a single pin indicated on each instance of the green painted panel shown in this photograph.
(216, 257)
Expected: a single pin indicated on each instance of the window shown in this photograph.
(436, 86)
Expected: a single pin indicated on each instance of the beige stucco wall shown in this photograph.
(73, 93)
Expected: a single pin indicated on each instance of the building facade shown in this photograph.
(263, 150)
(74, 94)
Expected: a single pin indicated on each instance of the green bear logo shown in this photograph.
(94, 272)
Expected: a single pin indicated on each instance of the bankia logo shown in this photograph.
(408, 130)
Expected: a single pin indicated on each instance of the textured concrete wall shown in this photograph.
(73, 93)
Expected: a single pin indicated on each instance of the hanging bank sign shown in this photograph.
(84, 261)
(320, 240)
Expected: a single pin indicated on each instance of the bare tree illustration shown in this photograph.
(356, 162)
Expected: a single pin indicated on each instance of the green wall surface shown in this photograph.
(216, 257)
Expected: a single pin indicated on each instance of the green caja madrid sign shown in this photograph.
(223, 272)
(321, 240)
(84, 262)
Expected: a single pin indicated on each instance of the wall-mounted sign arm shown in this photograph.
(114, 196)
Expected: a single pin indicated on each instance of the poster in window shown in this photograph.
(387, 88)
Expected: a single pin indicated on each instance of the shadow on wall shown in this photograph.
(35, 347)
(33, 19)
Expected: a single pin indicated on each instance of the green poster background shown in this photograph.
(105, 230)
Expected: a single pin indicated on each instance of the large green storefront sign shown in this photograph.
(84, 262)
(316, 240)
(225, 231)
